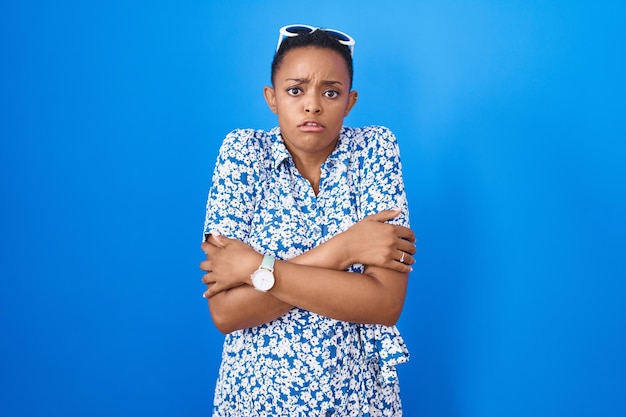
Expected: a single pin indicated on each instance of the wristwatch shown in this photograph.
(263, 278)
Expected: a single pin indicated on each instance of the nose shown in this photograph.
(313, 106)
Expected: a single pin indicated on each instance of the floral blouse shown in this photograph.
(304, 364)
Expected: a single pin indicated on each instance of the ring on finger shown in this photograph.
(402, 257)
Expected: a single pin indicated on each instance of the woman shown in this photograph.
(307, 247)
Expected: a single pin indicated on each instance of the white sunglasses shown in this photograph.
(290, 31)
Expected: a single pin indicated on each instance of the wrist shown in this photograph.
(345, 258)
(255, 262)
(263, 278)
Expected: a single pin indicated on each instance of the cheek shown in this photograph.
(285, 110)
(340, 112)
(283, 118)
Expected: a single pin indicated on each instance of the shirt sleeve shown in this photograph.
(231, 199)
(383, 189)
(382, 186)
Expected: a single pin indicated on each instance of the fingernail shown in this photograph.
(203, 295)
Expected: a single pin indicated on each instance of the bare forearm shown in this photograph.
(330, 255)
(373, 297)
(244, 307)
(376, 296)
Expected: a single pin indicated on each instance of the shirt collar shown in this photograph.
(279, 150)
(341, 153)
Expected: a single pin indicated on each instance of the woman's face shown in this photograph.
(311, 97)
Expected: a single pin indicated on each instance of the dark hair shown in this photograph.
(317, 38)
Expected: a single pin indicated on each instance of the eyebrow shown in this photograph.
(306, 80)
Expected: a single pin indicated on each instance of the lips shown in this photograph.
(311, 126)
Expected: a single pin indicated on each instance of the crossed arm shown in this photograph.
(316, 280)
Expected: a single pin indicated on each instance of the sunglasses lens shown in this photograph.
(338, 35)
(295, 29)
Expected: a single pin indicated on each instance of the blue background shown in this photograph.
(511, 122)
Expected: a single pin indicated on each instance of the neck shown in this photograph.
(309, 163)
(311, 170)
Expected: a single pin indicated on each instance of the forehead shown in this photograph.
(311, 61)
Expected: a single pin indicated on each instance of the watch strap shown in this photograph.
(268, 263)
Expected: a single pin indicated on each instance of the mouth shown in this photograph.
(311, 126)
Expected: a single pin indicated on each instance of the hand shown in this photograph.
(229, 263)
(373, 242)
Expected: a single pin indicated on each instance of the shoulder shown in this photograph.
(371, 138)
(242, 143)
(370, 134)
(240, 138)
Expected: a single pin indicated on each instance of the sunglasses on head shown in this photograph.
(290, 31)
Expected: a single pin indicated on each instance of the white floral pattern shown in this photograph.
(304, 364)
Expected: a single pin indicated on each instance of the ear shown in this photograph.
(352, 97)
(270, 98)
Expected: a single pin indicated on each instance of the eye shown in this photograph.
(294, 91)
(331, 94)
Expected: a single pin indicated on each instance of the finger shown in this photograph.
(209, 247)
(209, 293)
(208, 279)
(404, 233)
(406, 259)
(204, 246)
(211, 250)
(399, 267)
(406, 246)
(218, 239)
(213, 290)
(384, 215)
(206, 266)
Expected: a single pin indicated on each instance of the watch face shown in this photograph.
(263, 279)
